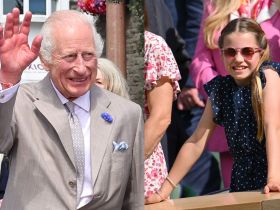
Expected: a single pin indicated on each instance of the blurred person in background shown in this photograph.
(204, 176)
(161, 75)
(110, 78)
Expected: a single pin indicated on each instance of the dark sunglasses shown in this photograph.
(246, 52)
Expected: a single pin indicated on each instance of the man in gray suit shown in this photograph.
(35, 124)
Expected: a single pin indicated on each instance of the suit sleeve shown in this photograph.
(6, 114)
(134, 196)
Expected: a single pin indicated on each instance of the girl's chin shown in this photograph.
(242, 81)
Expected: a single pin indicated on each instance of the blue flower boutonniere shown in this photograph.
(107, 117)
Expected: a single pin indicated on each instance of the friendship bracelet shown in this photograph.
(171, 182)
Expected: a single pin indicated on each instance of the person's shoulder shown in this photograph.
(34, 88)
(153, 38)
(28, 87)
(152, 35)
(269, 71)
(270, 65)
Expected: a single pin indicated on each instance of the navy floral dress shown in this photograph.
(232, 109)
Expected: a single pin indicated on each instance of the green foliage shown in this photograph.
(136, 7)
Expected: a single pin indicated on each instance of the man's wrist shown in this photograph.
(5, 85)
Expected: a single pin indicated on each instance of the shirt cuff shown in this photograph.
(7, 94)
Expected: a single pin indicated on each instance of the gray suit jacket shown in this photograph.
(35, 131)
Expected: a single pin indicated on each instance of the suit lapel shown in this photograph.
(53, 110)
(100, 129)
(48, 103)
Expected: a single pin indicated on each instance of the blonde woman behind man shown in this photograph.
(110, 78)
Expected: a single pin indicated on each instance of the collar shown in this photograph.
(83, 101)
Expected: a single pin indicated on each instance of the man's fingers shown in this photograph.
(193, 101)
(36, 44)
(25, 26)
(199, 102)
(180, 106)
(184, 103)
(12, 23)
(16, 14)
(8, 30)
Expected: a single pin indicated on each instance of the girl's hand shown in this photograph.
(272, 186)
(154, 198)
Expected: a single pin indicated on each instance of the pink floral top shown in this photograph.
(158, 62)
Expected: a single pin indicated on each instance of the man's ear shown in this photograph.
(44, 63)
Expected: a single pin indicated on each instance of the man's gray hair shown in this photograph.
(64, 18)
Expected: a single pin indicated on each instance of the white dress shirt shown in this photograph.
(82, 110)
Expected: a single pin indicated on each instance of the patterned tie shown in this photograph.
(78, 145)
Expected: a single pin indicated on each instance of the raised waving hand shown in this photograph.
(15, 52)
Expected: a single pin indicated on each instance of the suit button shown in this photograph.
(72, 184)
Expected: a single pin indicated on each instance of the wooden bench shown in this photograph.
(222, 201)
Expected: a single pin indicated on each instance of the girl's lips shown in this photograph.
(239, 67)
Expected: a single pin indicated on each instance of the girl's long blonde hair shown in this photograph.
(247, 25)
(218, 19)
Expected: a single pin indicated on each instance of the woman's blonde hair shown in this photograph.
(112, 77)
(218, 19)
(247, 25)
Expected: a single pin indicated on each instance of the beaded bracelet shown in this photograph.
(171, 182)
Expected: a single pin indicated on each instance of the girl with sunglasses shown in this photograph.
(246, 103)
(207, 64)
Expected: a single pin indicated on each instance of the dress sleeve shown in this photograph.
(159, 62)
(268, 65)
(213, 89)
